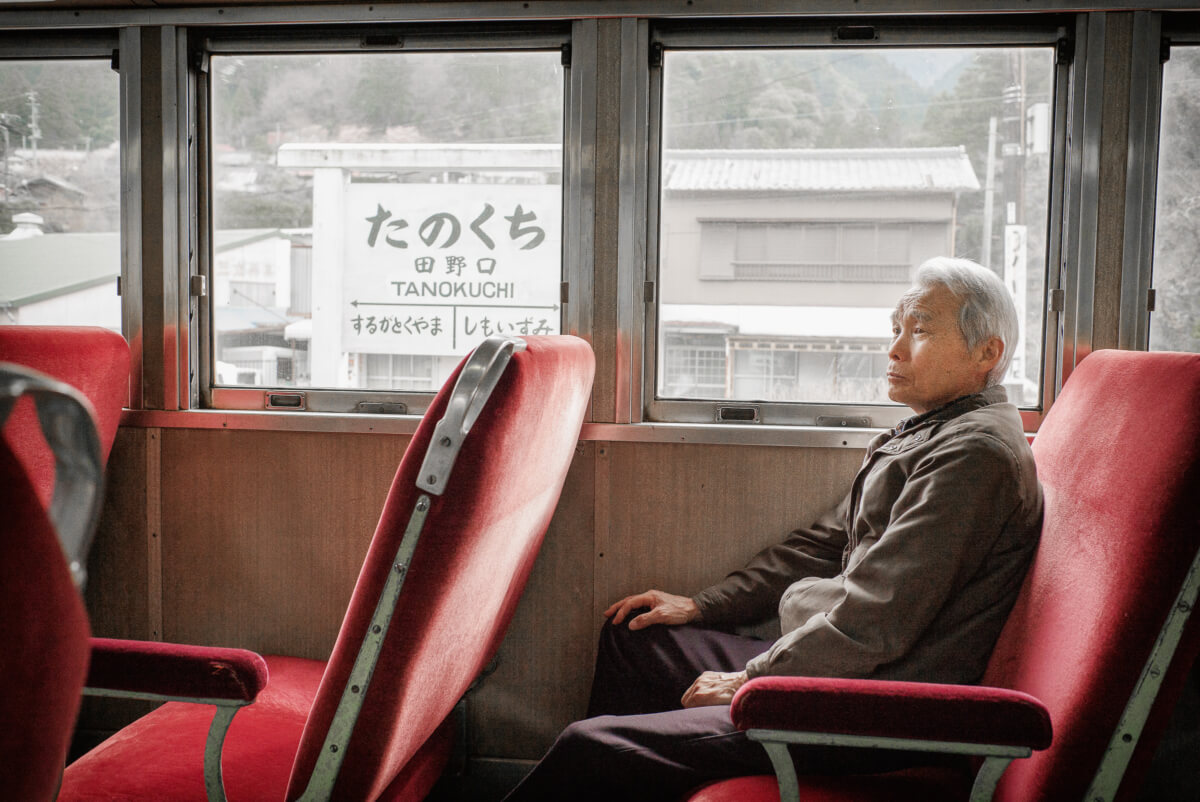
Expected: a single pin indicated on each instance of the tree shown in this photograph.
(382, 98)
(75, 103)
(741, 99)
(962, 116)
(487, 97)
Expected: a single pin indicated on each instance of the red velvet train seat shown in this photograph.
(1119, 458)
(461, 584)
(93, 360)
(43, 625)
(44, 632)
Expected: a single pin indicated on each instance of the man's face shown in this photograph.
(929, 363)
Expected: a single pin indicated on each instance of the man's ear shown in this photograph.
(990, 351)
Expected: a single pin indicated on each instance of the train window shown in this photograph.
(375, 215)
(60, 187)
(799, 188)
(1175, 321)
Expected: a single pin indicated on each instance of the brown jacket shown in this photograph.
(912, 576)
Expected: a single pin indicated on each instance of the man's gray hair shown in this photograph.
(986, 306)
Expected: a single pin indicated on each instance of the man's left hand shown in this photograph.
(714, 688)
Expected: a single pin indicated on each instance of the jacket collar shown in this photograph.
(959, 406)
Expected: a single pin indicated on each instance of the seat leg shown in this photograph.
(987, 777)
(785, 772)
(214, 783)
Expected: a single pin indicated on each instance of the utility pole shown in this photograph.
(35, 133)
(4, 124)
(989, 192)
(1015, 270)
(1013, 136)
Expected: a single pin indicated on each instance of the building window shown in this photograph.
(787, 370)
(375, 216)
(803, 251)
(800, 187)
(696, 362)
(60, 185)
(405, 371)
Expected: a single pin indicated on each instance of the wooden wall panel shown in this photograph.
(682, 516)
(117, 597)
(264, 534)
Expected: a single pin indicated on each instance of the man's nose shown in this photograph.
(897, 350)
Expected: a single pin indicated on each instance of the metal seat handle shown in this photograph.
(69, 428)
(474, 387)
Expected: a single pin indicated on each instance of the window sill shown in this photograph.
(752, 434)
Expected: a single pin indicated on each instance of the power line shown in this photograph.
(815, 115)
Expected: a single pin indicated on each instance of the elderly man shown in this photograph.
(910, 578)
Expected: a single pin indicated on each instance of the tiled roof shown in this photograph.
(859, 170)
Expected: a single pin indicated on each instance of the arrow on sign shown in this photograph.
(357, 304)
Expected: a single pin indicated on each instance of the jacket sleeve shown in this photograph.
(944, 522)
(752, 593)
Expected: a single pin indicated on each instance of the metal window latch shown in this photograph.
(198, 286)
(1058, 300)
(1064, 51)
(847, 421)
(747, 414)
(656, 54)
(1151, 299)
(856, 33)
(285, 401)
(382, 407)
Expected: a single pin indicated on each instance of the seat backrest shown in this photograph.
(1117, 456)
(44, 632)
(91, 359)
(470, 566)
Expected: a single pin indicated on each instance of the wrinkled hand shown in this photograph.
(665, 608)
(714, 688)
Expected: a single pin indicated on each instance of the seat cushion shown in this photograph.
(161, 755)
(909, 785)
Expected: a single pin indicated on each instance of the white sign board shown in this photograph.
(435, 268)
(1015, 273)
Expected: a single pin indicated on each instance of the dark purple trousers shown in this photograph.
(639, 745)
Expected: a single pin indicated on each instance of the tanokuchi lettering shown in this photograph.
(455, 289)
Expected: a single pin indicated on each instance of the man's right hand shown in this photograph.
(665, 608)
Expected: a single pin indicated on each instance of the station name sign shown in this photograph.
(435, 268)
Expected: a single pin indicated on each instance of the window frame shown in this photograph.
(392, 38)
(1059, 32)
